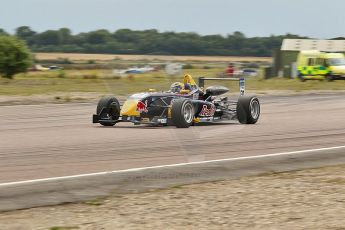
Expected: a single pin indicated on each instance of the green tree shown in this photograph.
(126, 41)
(15, 57)
(49, 37)
(3, 32)
(66, 35)
(124, 35)
(98, 37)
(25, 33)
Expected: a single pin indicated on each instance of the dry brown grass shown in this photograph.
(109, 57)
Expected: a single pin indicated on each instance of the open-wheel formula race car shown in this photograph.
(183, 105)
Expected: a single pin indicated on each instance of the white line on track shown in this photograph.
(50, 179)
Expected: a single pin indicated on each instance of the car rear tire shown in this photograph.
(108, 107)
(248, 109)
(182, 113)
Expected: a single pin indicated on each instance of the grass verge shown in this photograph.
(103, 81)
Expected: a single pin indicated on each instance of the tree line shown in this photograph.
(126, 41)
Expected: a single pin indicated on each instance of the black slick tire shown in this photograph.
(108, 107)
(182, 113)
(248, 109)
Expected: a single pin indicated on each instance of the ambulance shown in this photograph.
(316, 65)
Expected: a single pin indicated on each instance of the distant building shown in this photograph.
(311, 44)
(285, 58)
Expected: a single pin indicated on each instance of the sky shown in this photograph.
(313, 18)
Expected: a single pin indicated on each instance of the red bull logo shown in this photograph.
(207, 112)
(142, 107)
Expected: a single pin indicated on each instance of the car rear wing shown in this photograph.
(241, 81)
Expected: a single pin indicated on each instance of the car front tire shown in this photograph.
(182, 113)
(108, 107)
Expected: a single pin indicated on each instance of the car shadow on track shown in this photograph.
(166, 127)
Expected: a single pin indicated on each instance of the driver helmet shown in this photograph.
(176, 87)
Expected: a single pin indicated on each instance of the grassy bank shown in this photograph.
(103, 81)
(124, 57)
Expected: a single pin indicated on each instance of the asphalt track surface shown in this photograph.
(49, 141)
(43, 141)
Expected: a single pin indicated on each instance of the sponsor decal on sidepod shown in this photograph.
(207, 112)
(142, 107)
